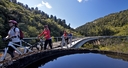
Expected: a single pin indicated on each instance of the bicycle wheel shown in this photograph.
(5, 59)
(34, 46)
(42, 46)
(4, 55)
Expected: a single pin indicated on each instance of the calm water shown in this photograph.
(87, 60)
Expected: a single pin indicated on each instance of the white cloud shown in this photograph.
(82, 0)
(79, 1)
(46, 4)
(39, 5)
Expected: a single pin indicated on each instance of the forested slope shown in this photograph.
(112, 24)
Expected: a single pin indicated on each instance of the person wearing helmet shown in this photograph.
(13, 36)
(47, 37)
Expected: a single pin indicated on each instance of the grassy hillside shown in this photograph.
(112, 24)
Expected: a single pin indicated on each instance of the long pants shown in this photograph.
(67, 40)
(48, 41)
(11, 49)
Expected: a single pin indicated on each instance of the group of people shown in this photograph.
(14, 36)
(67, 36)
(66, 39)
(14, 33)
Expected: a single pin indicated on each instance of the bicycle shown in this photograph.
(30, 46)
(4, 55)
(39, 42)
(39, 45)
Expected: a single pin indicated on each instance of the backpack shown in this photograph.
(21, 34)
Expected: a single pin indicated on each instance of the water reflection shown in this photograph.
(85, 60)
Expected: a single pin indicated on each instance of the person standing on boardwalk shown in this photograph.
(47, 36)
(65, 36)
(13, 35)
(70, 38)
(64, 39)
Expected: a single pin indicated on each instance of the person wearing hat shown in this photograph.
(13, 36)
(46, 33)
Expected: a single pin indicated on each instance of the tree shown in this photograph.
(55, 19)
(36, 8)
(51, 16)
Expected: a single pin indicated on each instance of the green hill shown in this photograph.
(113, 24)
(31, 20)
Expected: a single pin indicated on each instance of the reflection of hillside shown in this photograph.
(122, 57)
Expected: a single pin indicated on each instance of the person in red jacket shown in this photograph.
(65, 36)
(46, 33)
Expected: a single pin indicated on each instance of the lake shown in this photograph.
(85, 60)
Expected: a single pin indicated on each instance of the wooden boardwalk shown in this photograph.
(58, 44)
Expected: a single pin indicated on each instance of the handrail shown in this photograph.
(62, 41)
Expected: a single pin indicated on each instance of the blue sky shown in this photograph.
(78, 12)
